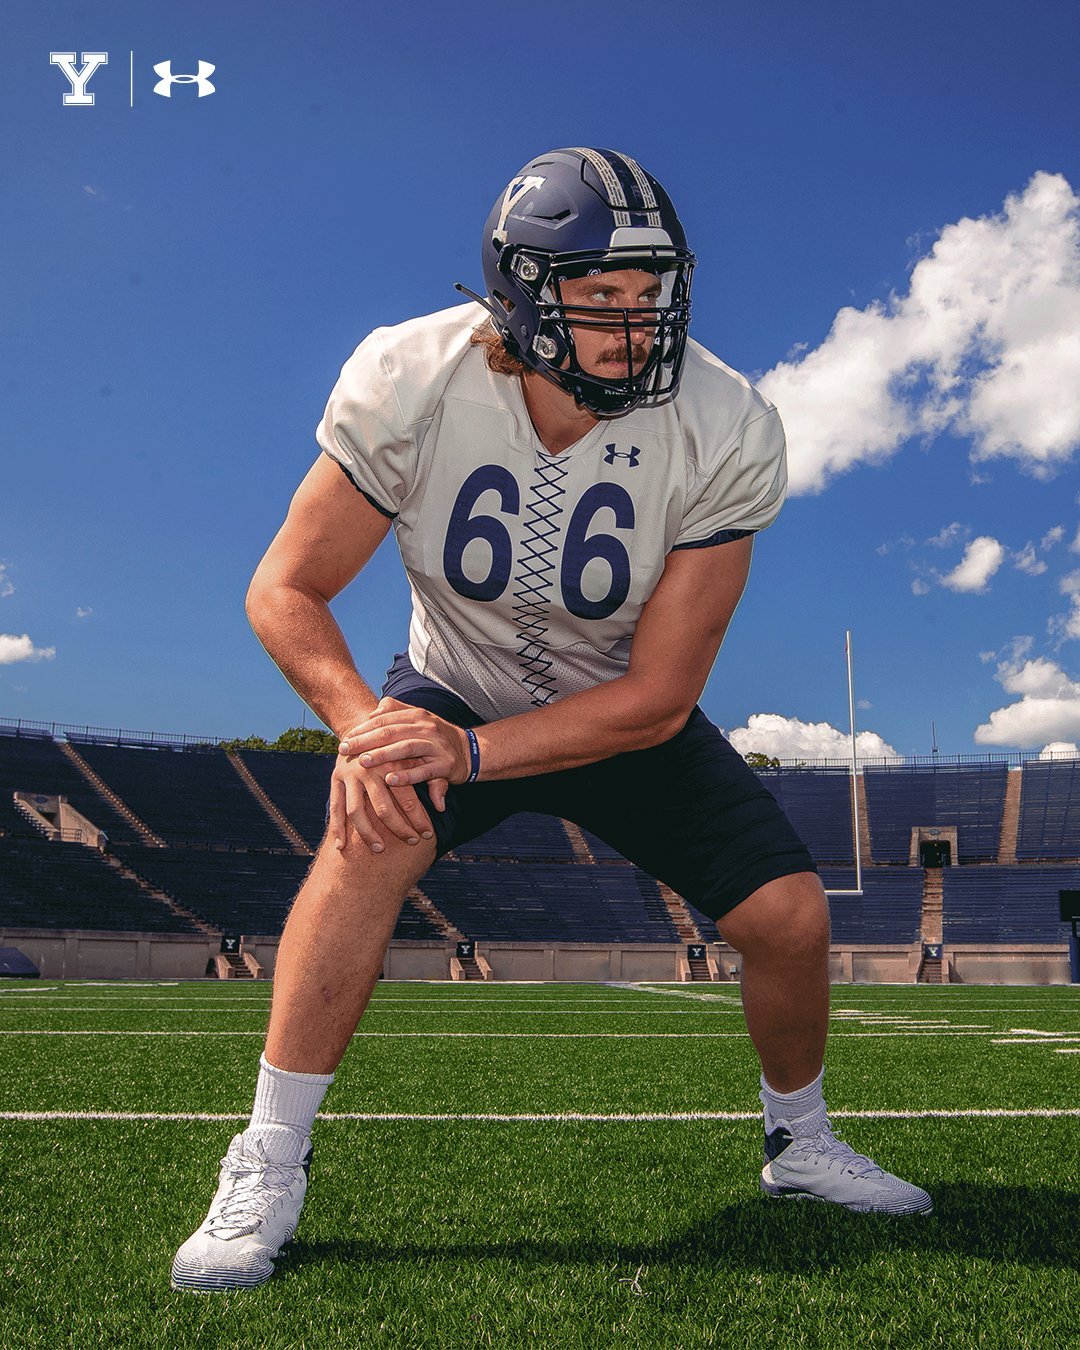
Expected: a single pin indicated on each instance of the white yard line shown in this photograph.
(555, 1117)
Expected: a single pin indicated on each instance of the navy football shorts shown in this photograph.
(689, 812)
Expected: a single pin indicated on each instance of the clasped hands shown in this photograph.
(379, 761)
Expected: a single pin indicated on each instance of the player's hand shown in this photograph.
(407, 745)
(360, 799)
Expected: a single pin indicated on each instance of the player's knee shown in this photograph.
(789, 914)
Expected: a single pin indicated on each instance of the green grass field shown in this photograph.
(567, 1165)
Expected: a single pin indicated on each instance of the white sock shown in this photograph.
(285, 1108)
(802, 1110)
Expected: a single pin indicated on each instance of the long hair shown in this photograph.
(498, 358)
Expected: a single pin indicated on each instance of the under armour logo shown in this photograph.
(168, 79)
(613, 454)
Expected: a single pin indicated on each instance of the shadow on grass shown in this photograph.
(1032, 1226)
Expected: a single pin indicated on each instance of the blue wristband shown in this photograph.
(474, 756)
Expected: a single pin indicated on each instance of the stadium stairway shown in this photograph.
(682, 919)
(145, 833)
(161, 897)
(1010, 820)
(932, 969)
(432, 912)
(238, 968)
(299, 845)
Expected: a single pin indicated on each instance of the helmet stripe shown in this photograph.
(610, 179)
(644, 187)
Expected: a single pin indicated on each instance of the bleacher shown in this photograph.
(297, 784)
(970, 797)
(531, 902)
(36, 764)
(1049, 810)
(889, 910)
(817, 801)
(190, 796)
(525, 836)
(1005, 904)
(46, 884)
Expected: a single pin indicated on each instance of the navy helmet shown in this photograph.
(581, 212)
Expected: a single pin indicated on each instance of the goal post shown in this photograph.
(858, 888)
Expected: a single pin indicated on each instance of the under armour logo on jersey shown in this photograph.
(612, 455)
(168, 79)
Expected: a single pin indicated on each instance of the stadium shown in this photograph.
(150, 857)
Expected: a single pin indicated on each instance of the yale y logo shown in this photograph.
(633, 455)
(515, 191)
(78, 79)
(168, 79)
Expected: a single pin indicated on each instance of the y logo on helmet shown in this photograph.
(516, 189)
(633, 455)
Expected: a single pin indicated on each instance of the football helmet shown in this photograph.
(581, 212)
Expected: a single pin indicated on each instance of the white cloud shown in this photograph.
(1060, 750)
(83, 611)
(1069, 624)
(920, 587)
(6, 588)
(1047, 711)
(951, 534)
(1026, 561)
(986, 344)
(788, 738)
(14, 649)
(1052, 537)
(1074, 547)
(982, 558)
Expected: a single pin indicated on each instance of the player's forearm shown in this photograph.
(304, 641)
(580, 729)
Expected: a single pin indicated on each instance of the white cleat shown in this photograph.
(822, 1167)
(253, 1214)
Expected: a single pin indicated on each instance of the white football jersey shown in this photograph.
(529, 570)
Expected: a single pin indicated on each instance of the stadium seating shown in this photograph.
(817, 801)
(297, 784)
(524, 836)
(1049, 810)
(531, 902)
(889, 910)
(191, 796)
(45, 884)
(1005, 904)
(969, 797)
(35, 763)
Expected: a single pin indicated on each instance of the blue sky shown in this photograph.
(883, 204)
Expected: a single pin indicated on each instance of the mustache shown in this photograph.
(620, 356)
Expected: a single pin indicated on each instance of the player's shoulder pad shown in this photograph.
(419, 356)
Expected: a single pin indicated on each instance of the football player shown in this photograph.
(574, 486)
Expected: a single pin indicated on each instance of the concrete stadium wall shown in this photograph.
(64, 955)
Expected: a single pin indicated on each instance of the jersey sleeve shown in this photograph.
(741, 489)
(364, 429)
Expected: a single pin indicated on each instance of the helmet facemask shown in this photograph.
(552, 349)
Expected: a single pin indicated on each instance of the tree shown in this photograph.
(757, 760)
(299, 740)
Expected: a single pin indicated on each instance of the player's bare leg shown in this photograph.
(332, 949)
(782, 933)
(329, 960)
